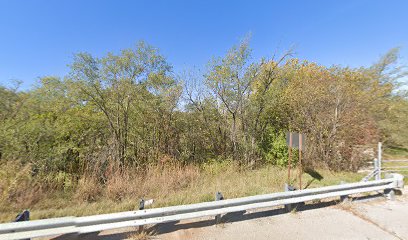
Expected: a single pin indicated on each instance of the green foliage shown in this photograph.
(275, 149)
(129, 109)
(216, 166)
(394, 125)
(61, 180)
(396, 152)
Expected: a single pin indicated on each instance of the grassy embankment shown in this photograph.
(170, 185)
(397, 153)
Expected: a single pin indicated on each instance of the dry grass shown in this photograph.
(18, 188)
(168, 185)
(154, 182)
(88, 189)
(144, 235)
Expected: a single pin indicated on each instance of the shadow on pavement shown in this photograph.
(169, 227)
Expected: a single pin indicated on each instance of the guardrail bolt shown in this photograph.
(218, 197)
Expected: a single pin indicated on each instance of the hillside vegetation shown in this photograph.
(127, 117)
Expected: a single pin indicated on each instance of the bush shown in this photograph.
(274, 148)
(60, 180)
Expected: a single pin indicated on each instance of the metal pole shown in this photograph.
(300, 161)
(375, 162)
(379, 159)
(290, 156)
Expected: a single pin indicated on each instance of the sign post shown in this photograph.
(379, 161)
(296, 140)
(300, 161)
(290, 156)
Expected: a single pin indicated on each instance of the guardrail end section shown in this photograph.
(398, 182)
(396, 185)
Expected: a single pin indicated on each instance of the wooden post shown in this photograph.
(290, 156)
(300, 161)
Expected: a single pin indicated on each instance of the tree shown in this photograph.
(230, 79)
(118, 84)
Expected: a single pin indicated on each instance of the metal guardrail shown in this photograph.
(79, 225)
(396, 160)
(370, 175)
(375, 170)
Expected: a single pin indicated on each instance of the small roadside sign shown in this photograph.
(295, 140)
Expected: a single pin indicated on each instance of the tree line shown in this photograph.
(130, 109)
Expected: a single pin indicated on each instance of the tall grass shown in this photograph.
(169, 184)
(396, 153)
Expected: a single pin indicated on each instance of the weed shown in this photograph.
(167, 184)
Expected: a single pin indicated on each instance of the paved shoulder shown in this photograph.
(323, 223)
(374, 219)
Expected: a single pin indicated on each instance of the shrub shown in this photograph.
(274, 148)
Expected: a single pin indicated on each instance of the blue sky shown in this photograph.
(39, 38)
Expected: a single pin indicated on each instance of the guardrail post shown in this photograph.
(344, 198)
(141, 207)
(288, 188)
(390, 194)
(218, 197)
(24, 216)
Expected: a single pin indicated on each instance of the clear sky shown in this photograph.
(38, 38)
